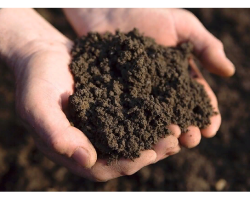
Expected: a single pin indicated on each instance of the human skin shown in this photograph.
(39, 56)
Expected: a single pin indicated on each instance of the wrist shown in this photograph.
(12, 36)
(20, 29)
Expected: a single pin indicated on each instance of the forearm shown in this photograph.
(18, 29)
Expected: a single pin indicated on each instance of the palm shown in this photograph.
(168, 28)
(162, 27)
(155, 23)
(46, 84)
(47, 72)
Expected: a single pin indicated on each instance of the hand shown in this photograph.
(44, 83)
(39, 56)
(169, 27)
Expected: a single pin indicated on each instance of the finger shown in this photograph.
(191, 138)
(51, 125)
(166, 146)
(175, 130)
(100, 171)
(123, 167)
(207, 48)
(212, 129)
(62, 160)
(215, 120)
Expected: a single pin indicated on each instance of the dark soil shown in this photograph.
(218, 163)
(128, 89)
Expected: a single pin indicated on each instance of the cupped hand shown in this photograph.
(40, 56)
(43, 88)
(168, 27)
(44, 83)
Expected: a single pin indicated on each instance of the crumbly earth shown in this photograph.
(223, 157)
(128, 89)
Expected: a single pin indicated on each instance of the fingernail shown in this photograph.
(81, 156)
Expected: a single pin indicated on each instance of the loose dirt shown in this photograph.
(128, 89)
(223, 157)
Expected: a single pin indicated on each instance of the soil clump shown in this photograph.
(128, 89)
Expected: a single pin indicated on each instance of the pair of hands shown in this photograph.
(44, 82)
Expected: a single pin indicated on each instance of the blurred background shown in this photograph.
(221, 163)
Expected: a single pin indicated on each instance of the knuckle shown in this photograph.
(99, 178)
(174, 151)
(189, 14)
(220, 44)
(128, 171)
(124, 169)
(55, 144)
(57, 141)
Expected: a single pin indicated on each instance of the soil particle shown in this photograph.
(128, 89)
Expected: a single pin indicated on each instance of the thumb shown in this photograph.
(207, 48)
(43, 113)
